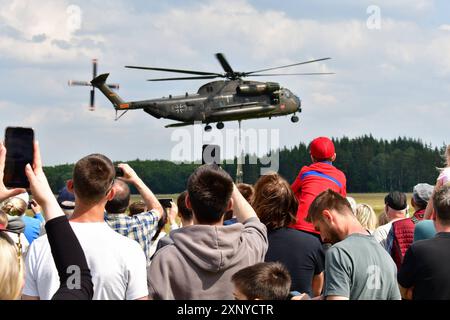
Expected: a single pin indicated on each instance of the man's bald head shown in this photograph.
(121, 200)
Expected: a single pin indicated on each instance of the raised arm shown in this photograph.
(241, 208)
(41, 189)
(147, 195)
(429, 210)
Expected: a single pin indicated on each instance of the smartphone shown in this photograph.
(20, 151)
(211, 154)
(166, 202)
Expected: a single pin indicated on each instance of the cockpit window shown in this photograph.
(287, 93)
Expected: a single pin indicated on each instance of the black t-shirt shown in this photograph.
(426, 267)
(300, 252)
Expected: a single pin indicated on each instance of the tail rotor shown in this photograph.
(77, 83)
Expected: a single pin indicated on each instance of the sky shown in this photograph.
(392, 65)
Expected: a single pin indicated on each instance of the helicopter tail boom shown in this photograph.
(100, 83)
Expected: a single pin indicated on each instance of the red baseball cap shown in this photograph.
(322, 148)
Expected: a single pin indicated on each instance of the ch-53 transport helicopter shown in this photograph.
(230, 99)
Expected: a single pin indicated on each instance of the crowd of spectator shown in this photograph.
(219, 240)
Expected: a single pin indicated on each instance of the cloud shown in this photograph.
(323, 99)
(43, 31)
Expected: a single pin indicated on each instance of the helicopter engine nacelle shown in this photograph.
(256, 89)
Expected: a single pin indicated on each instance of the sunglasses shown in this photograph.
(111, 186)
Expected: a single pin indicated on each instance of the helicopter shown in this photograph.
(218, 101)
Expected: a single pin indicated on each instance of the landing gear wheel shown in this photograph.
(208, 128)
(220, 125)
(294, 119)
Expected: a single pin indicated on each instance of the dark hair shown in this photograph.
(228, 215)
(209, 188)
(137, 207)
(161, 223)
(328, 200)
(93, 177)
(275, 202)
(265, 280)
(121, 200)
(247, 191)
(441, 204)
(184, 211)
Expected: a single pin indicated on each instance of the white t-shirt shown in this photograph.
(117, 264)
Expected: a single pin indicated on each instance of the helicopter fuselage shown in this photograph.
(226, 100)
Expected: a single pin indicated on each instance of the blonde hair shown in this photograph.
(382, 219)
(11, 273)
(14, 206)
(366, 216)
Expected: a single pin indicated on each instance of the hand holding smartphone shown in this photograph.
(166, 202)
(20, 151)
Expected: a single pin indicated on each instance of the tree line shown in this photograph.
(370, 165)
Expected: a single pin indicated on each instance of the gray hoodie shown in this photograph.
(202, 259)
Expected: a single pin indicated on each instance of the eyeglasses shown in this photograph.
(110, 187)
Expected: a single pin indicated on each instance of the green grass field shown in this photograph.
(375, 200)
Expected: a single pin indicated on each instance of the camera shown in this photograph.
(119, 172)
(165, 203)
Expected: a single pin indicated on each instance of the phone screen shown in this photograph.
(19, 145)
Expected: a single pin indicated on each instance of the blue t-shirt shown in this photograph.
(32, 226)
(424, 230)
(230, 222)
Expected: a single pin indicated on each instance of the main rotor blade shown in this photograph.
(289, 65)
(290, 74)
(94, 68)
(79, 83)
(175, 70)
(225, 65)
(185, 78)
